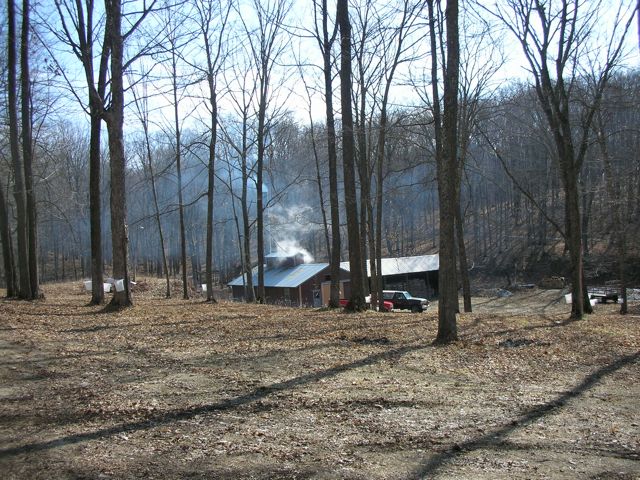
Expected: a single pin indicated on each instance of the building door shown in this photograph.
(317, 298)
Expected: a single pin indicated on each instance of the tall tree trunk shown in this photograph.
(178, 135)
(250, 295)
(248, 271)
(83, 25)
(114, 118)
(462, 259)
(334, 262)
(213, 51)
(378, 284)
(7, 247)
(356, 302)
(376, 241)
(364, 175)
(574, 244)
(211, 181)
(447, 167)
(95, 208)
(19, 193)
(262, 112)
(27, 153)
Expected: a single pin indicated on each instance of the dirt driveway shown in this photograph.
(180, 389)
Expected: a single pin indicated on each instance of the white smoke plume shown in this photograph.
(286, 226)
(289, 248)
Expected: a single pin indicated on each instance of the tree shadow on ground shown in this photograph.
(468, 330)
(497, 437)
(53, 359)
(227, 405)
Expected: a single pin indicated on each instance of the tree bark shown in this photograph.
(95, 206)
(211, 182)
(27, 153)
(447, 168)
(356, 302)
(334, 262)
(19, 193)
(7, 247)
(376, 240)
(84, 28)
(574, 243)
(250, 295)
(262, 112)
(462, 259)
(178, 156)
(114, 118)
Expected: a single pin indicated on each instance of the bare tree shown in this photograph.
(398, 52)
(114, 118)
(242, 91)
(480, 61)
(176, 40)
(447, 168)
(266, 46)
(357, 301)
(212, 20)
(27, 150)
(142, 111)
(318, 162)
(555, 40)
(79, 27)
(19, 192)
(620, 209)
(325, 41)
(7, 247)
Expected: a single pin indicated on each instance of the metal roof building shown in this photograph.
(289, 281)
(284, 277)
(417, 274)
(404, 265)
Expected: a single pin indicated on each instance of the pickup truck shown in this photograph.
(405, 301)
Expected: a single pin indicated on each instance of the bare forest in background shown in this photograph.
(214, 109)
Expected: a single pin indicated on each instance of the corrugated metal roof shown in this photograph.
(291, 277)
(400, 265)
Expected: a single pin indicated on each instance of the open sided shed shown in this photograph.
(417, 274)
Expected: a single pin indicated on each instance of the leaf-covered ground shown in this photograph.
(183, 389)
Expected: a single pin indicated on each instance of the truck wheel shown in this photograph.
(416, 309)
